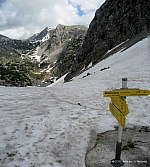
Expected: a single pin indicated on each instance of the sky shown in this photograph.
(21, 19)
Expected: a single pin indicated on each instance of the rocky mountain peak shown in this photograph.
(57, 40)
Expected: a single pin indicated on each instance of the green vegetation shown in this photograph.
(14, 70)
(15, 74)
(37, 75)
(21, 73)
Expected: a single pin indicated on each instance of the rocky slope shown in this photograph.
(57, 48)
(135, 152)
(115, 22)
(11, 49)
(56, 40)
(52, 52)
(14, 71)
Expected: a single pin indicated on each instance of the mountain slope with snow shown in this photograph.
(114, 22)
(55, 126)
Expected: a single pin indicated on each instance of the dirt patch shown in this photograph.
(135, 148)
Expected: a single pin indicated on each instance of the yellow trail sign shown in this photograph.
(118, 115)
(120, 104)
(126, 92)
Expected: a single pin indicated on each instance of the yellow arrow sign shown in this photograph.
(126, 92)
(120, 104)
(118, 115)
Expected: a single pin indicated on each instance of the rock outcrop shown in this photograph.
(115, 22)
(58, 40)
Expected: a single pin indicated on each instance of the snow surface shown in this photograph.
(53, 127)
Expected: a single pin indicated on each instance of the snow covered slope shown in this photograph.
(55, 126)
(134, 64)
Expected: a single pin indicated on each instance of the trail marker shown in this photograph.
(126, 92)
(119, 109)
(117, 114)
(120, 104)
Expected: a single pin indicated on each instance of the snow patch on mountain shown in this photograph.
(45, 38)
(49, 28)
(35, 54)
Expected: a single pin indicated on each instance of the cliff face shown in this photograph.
(115, 22)
(67, 57)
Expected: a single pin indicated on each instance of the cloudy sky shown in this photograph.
(20, 19)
